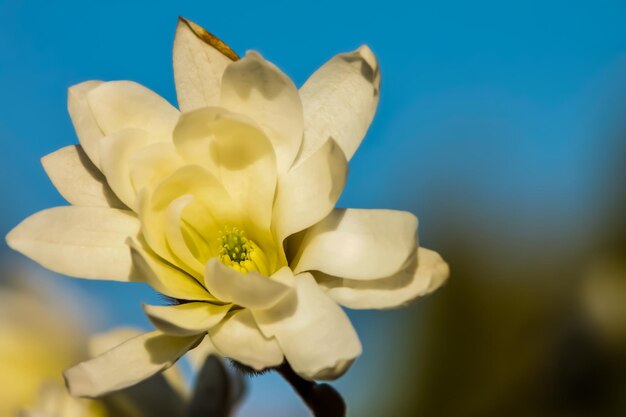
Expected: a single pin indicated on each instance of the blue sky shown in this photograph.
(503, 105)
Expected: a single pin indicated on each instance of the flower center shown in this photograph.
(240, 253)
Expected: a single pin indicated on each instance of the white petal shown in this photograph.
(239, 338)
(251, 290)
(116, 151)
(78, 180)
(237, 152)
(258, 89)
(118, 105)
(340, 101)
(83, 242)
(186, 319)
(308, 192)
(166, 278)
(152, 164)
(85, 124)
(423, 274)
(199, 63)
(127, 364)
(102, 342)
(198, 355)
(359, 244)
(313, 332)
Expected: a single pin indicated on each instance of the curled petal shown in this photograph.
(165, 277)
(308, 192)
(251, 290)
(127, 364)
(358, 244)
(424, 273)
(340, 101)
(186, 319)
(82, 242)
(239, 338)
(258, 89)
(313, 332)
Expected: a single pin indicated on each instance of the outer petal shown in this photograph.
(313, 332)
(83, 242)
(239, 338)
(85, 124)
(116, 151)
(251, 290)
(308, 192)
(166, 278)
(127, 364)
(78, 180)
(424, 273)
(258, 89)
(358, 244)
(235, 150)
(200, 59)
(186, 319)
(340, 101)
(118, 105)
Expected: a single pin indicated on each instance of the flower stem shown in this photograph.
(322, 399)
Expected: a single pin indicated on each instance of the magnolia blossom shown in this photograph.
(228, 207)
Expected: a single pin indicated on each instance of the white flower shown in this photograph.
(228, 207)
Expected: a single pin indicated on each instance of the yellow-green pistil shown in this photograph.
(240, 253)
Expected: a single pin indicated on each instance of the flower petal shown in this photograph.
(186, 319)
(116, 151)
(258, 89)
(313, 332)
(127, 364)
(237, 152)
(210, 207)
(308, 192)
(358, 244)
(166, 278)
(200, 59)
(85, 124)
(424, 273)
(239, 338)
(118, 105)
(83, 242)
(340, 101)
(78, 180)
(251, 290)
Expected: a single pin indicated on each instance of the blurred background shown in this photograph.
(501, 125)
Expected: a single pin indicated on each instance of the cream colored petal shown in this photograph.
(423, 274)
(152, 164)
(258, 89)
(198, 355)
(83, 242)
(166, 278)
(358, 244)
(313, 332)
(118, 105)
(340, 101)
(237, 152)
(85, 124)
(116, 151)
(308, 192)
(239, 338)
(176, 241)
(78, 180)
(127, 364)
(186, 319)
(251, 290)
(212, 206)
(199, 63)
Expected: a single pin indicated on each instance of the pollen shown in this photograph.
(240, 253)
